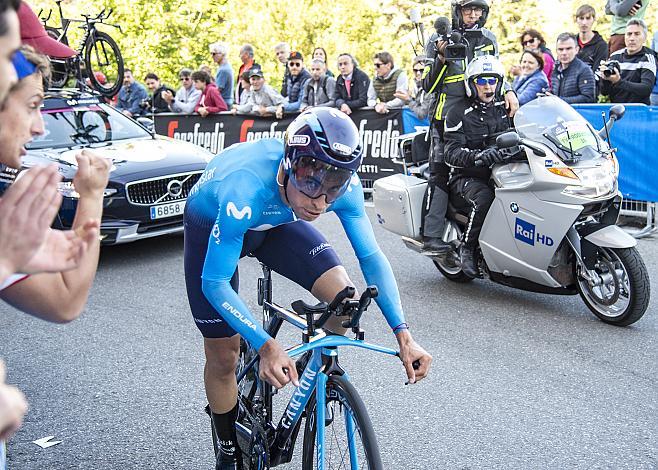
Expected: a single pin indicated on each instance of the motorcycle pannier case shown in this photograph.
(399, 203)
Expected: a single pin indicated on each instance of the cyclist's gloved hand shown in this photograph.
(276, 367)
(415, 359)
(488, 157)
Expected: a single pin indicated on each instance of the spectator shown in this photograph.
(631, 71)
(320, 53)
(532, 79)
(573, 80)
(245, 86)
(320, 88)
(282, 51)
(351, 86)
(224, 76)
(387, 80)
(52, 295)
(187, 95)
(297, 78)
(206, 68)
(210, 102)
(417, 99)
(654, 93)
(131, 95)
(533, 40)
(247, 58)
(156, 103)
(622, 11)
(263, 100)
(593, 49)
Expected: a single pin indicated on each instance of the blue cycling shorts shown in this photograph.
(295, 250)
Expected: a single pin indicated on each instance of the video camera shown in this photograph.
(456, 49)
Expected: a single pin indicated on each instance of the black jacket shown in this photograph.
(593, 52)
(638, 75)
(470, 127)
(157, 104)
(575, 84)
(358, 97)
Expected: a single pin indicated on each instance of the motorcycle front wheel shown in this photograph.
(617, 290)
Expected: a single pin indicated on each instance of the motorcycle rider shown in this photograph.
(446, 78)
(470, 127)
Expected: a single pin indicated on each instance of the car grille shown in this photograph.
(163, 189)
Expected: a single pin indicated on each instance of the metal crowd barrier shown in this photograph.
(641, 211)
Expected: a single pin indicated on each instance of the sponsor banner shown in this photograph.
(216, 132)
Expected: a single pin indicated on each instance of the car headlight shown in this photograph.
(67, 189)
(595, 182)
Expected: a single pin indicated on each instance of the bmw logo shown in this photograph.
(514, 207)
(174, 188)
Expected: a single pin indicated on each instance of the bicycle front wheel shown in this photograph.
(350, 440)
(104, 63)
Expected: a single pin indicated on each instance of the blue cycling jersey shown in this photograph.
(238, 192)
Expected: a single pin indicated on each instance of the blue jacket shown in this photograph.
(527, 87)
(131, 97)
(575, 84)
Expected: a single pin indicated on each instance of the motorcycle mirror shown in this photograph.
(617, 112)
(507, 140)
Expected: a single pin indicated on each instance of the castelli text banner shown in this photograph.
(379, 133)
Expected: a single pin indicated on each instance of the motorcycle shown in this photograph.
(552, 225)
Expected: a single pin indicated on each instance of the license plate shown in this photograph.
(167, 210)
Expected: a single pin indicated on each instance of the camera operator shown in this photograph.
(451, 52)
(630, 74)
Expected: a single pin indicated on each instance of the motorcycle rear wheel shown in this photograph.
(618, 290)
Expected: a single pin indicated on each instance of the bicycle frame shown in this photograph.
(323, 362)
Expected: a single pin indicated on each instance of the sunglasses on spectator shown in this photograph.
(294, 64)
(418, 70)
(486, 81)
(379, 64)
(529, 41)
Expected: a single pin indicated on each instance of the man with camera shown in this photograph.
(451, 52)
(630, 74)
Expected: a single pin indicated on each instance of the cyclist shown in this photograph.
(257, 198)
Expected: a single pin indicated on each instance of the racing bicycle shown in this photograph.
(98, 57)
(338, 432)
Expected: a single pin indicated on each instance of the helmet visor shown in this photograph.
(315, 178)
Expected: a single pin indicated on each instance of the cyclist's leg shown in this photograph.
(302, 254)
(221, 344)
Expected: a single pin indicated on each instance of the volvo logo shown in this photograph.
(175, 188)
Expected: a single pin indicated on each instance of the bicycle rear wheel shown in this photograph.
(59, 71)
(343, 449)
(102, 55)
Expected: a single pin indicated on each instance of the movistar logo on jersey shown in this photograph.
(527, 233)
(232, 210)
(239, 315)
(299, 140)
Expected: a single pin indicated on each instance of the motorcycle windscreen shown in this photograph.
(552, 122)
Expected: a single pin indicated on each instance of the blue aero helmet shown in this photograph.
(322, 152)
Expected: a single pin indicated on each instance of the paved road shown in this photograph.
(520, 380)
